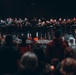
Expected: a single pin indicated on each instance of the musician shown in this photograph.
(39, 28)
(33, 27)
(15, 24)
(26, 28)
(63, 26)
(60, 20)
(51, 21)
(3, 28)
(68, 26)
(74, 29)
(9, 26)
(51, 28)
(48, 30)
(25, 20)
(43, 29)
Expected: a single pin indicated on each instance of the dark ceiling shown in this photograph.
(38, 8)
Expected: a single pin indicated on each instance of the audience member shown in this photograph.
(23, 47)
(69, 52)
(68, 67)
(28, 64)
(55, 49)
(9, 55)
(41, 58)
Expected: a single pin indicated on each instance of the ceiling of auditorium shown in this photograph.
(38, 8)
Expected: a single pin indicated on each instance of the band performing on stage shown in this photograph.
(40, 28)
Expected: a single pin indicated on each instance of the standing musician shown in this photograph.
(3, 28)
(9, 26)
(33, 27)
(63, 26)
(39, 28)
